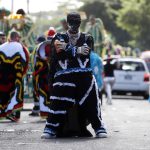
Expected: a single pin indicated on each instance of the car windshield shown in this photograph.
(129, 66)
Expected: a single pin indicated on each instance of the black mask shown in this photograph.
(74, 21)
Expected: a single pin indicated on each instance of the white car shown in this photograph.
(131, 75)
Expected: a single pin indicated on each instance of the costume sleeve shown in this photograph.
(71, 50)
(89, 41)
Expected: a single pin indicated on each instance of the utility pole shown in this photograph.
(28, 6)
(12, 6)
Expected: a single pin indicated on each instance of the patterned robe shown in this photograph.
(41, 72)
(13, 65)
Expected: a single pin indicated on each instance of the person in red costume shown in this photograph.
(41, 72)
(14, 59)
(36, 107)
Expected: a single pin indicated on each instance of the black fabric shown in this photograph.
(89, 109)
(82, 82)
(109, 70)
(73, 63)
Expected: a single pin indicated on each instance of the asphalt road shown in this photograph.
(127, 121)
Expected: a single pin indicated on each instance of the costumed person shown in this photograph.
(95, 27)
(51, 33)
(41, 72)
(109, 79)
(26, 30)
(72, 81)
(4, 26)
(14, 59)
(2, 38)
(64, 26)
(97, 68)
(36, 107)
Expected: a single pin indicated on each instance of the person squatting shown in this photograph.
(72, 81)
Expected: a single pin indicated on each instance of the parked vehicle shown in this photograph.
(131, 75)
(146, 56)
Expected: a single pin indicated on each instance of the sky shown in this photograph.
(34, 5)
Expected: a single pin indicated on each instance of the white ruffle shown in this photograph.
(83, 64)
(64, 84)
(87, 93)
(97, 95)
(72, 70)
(63, 65)
(62, 99)
(52, 124)
(57, 112)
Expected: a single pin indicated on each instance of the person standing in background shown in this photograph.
(36, 107)
(41, 73)
(2, 38)
(63, 26)
(109, 79)
(95, 27)
(26, 30)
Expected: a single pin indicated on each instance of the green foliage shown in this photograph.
(134, 17)
(104, 9)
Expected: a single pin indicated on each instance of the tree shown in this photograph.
(105, 10)
(136, 21)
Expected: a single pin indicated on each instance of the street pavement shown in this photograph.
(127, 122)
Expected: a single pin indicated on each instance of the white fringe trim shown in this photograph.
(64, 84)
(83, 65)
(57, 112)
(62, 99)
(87, 93)
(63, 65)
(97, 95)
(52, 124)
(75, 70)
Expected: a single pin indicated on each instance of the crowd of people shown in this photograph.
(68, 76)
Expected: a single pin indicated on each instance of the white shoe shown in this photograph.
(101, 135)
(109, 103)
(47, 136)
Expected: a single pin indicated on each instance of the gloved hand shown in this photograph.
(59, 46)
(83, 50)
